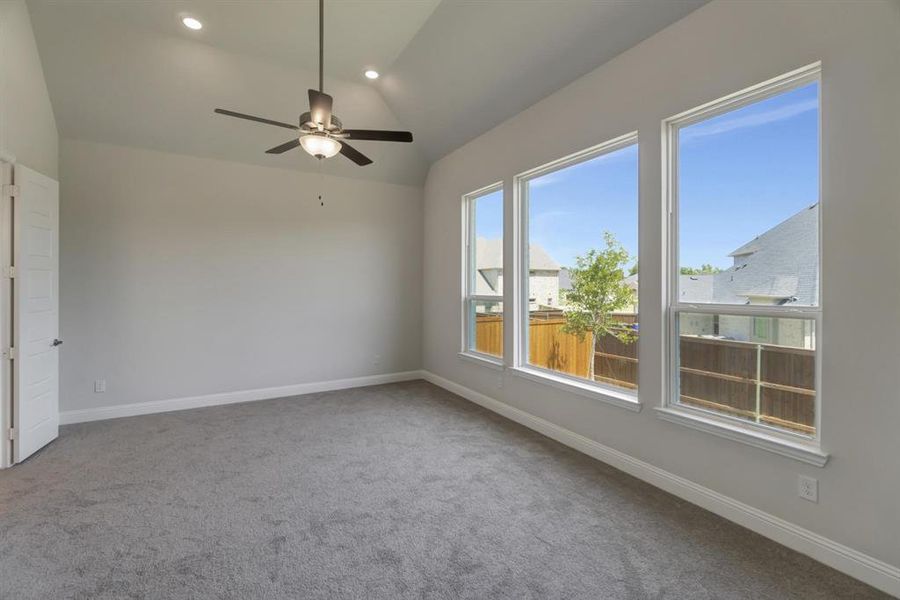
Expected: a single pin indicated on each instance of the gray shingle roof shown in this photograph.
(696, 288)
(781, 264)
(489, 255)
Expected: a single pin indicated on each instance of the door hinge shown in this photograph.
(12, 434)
(10, 354)
(11, 272)
(11, 190)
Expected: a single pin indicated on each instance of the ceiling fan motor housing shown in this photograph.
(307, 125)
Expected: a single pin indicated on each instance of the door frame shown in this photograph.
(7, 177)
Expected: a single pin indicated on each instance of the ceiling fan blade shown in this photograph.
(231, 113)
(320, 107)
(355, 155)
(378, 135)
(284, 147)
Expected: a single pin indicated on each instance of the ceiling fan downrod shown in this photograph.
(322, 46)
(320, 133)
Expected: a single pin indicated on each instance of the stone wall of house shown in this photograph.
(543, 289)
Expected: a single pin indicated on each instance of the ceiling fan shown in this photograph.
(321, 133)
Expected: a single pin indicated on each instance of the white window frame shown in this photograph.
(609, 394)
(469, 297)
(794, 445)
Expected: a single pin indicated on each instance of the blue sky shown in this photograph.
(570, 209)
(489, 215)
(740, 174)
(745, 171)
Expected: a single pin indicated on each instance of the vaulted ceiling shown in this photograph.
(129, 73)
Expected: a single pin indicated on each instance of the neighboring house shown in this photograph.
(543, 275)
(778, 267)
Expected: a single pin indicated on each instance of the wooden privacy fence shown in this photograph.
(760, 382)
(551, 348)
(489, 334)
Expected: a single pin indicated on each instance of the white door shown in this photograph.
(35, 312)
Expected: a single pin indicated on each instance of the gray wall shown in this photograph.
(184, 276)
(719, 49)
(27, 126)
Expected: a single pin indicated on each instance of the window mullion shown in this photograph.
(486, 297)
(754, 310)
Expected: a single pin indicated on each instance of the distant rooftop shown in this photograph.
(781, 265)
(489, 254)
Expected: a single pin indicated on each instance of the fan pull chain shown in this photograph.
(321, 183)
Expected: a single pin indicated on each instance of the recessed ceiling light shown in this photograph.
(192, 23)
(372, 74)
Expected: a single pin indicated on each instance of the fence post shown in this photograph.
(758, 380)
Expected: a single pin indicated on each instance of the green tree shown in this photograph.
(599, 290)
(705, 269)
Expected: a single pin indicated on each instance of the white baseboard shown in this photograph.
(158, 406)
(870, 570)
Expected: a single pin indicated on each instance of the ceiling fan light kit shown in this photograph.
(322, 134)
(320, 145)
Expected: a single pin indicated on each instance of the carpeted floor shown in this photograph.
(394, 491)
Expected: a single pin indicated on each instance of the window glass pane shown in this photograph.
(582, 269)
(484, 276)
(748, 194)
(487, 323)
(759, 369)
(488, 234)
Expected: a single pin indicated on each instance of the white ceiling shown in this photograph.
(359, 32)
(129, 73)
(475, 64)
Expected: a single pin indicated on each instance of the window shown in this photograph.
(579, 270)
(483, 273)
(744, 304)
(761, 329)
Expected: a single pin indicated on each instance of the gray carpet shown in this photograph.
(394, 491)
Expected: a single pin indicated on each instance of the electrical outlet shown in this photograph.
(99, 386)
(808, 488)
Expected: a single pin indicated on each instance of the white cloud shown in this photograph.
(763, 118)
(545, 180)
(629, 152)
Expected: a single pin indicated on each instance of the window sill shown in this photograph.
(621, 399)
(809, 453)
(483, 360)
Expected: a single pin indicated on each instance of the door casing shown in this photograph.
(6, 444)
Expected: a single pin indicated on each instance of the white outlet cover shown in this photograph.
(99, 386)
(808, 488)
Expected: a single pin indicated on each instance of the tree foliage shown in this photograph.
(599, 290)
(705, 269)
